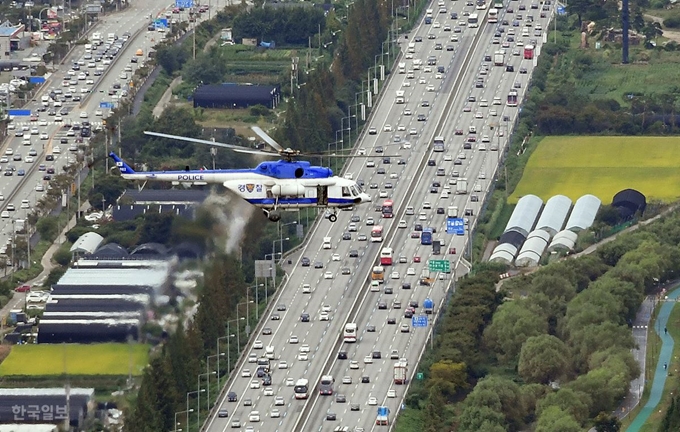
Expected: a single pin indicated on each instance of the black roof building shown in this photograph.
(45, 405)
(230, 95)
(88, 330)
(629, 202)
(102, 289)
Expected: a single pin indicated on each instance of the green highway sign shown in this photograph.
(419, 375)
(439, 266)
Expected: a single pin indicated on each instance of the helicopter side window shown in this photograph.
(355, 191)
(345, 191)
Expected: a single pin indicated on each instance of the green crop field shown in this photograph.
(75, 359)
(602, 166)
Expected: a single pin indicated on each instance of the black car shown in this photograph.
(431, 162)
(401, 162)
(365, 379)
(376, 355)
(267, 380)
(509, 68)
(386, 160)
(355, 218)
(382, 305)
(388, 290)
(304, 317)
(408, 313)
(474, 198)
(440, 210)
(406, 285)
(413, 304)
(49, 157)
(261, 372)
(330, 416)
(380, 171)
(267, 331)
(305, 262)
(342, 355)
(418, 39)
(425, 103)
(354, 407)
(347, 236)
(231, 397)
(276, 317)
(391, 320)
(370, 328)
(223, 413)
(353, 253)
(421, 117)
(318, 265)
(340, 398)
(434, 190)
(418, 227)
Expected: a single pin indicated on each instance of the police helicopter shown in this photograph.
(287, 184)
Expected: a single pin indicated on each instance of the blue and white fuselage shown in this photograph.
(270, 186)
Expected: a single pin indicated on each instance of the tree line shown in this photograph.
(550, 350)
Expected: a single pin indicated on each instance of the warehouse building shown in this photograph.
(236, 96)
(554, 214)
(46, 405)
(518, 228)
(583, 214)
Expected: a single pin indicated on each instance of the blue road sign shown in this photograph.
(19, 112)
(455, 226)
(106, 105)
(419, 321)
(36, 79)
(161, 23)
(561, 10)
(184, 3)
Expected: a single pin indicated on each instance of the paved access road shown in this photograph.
(347, 295)
(48, 133)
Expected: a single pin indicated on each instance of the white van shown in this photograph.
(306, 288)
(269, 352)
(452, 212)
(326, 243)
(477, 188)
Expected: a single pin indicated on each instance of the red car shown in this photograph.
(23, 288)
(416, 259)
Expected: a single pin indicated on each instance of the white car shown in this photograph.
(258, 344)
(56, 150)
(448, 158)
(278, 401)
(422, 216)
(304, 348)
(274, 413)
(372, 400)
(401, 128)
(29, 159)
(410, 211)
(383, 194)
(44, 136)
(394, 275)
(245, 373)
(290, 382)
(387, 128)
(34, 131)
(254, 416)
(328, 275)
(58, 119)
(324, 316)
(370, 164)
(283, 364)
(370, 221)
(406, 145)
(347, 379)
(326, 308)
(353, 364)
(252, 358)
(4, 214)
(368, 359)
(255, 384)
(413, 131)
(42, 122)
(336, 257)
(391, 393)
(430, 87)
(83, 114)
(303, 357)
(268, 391)
(427, 205)
(99, 113)
(293, 339)
(402, 224)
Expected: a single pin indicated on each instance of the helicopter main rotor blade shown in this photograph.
(235, 148)
(266, 138)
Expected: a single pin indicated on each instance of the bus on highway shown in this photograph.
(493, 15)
(301, 389)
(350, 333)
(387, 209)
(438, 144)
(377, 234)
(512, 98)
(473, 20)
(378, 274)
(426, 236)
(386, 256)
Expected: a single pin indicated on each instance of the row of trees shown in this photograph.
(284, 25)
(560, 343)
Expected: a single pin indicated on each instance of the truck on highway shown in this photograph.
(400, 372)
(378, 274)
(326, 385)
(461, 186)
(97, 39)
(382, 419)
(426, 236)
(428, 306)
(499, 58)
(400, 97)
(436, 247)
(301, 388)
(411, 47)
(19, 226)
(452, 212)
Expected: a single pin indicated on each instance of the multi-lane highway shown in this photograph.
(450, 103)
(100, 77)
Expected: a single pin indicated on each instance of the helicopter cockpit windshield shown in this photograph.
(356, 190)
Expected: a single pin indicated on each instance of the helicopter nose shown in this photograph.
(365, 198)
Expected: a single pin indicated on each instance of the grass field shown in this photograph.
(74, 359)
(602, 166)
